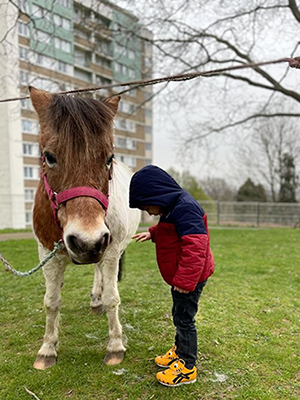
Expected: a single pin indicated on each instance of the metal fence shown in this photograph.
(251, 213)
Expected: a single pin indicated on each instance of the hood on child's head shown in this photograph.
(152, 186)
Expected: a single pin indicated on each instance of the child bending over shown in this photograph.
(184, 258)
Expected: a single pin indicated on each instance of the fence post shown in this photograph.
(218, 212)
(258, 214)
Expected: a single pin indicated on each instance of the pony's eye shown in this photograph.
(50, 159)
(109, 161)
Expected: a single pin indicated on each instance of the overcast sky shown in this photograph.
(207, 99)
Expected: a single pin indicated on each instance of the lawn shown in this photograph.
(248, 325)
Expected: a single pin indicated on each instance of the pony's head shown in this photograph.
(76, 143)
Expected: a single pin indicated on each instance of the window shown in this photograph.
(63, 67)
(102, 81)
(118, 67)
(29, 195)
(131, 73)
(31, 149)
(131, 54)
(26, 104)
(40, 13)
(104, 48)
(148, 46)
(130, 161)
(30, 126)
(121, 49)
(148, 161)
(132, 93)
(148, 130)
(125, 125)
(62, 22)
(102, 22)
(64, 3)
(28, 217)
(148, 113)
(81, 15)
(23, 29)
(42, 36)
(125, 143)
(37, 11)
(148, 62)
(50, 63)
(121, 124)
(31, 172)
(23, 6)
(44, 61)
(23, 53)
(82, 58)
(83, 75)
(62, 45)
(126, 107)
(46, 84)
(131, 126)
(104, 63)
(148, 146)
(24, 78)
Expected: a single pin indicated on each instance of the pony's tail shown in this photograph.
(121, 266)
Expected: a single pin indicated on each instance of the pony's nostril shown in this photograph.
(102, 243)
(75, 244)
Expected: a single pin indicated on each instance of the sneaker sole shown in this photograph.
(178, 384)
(162, 366)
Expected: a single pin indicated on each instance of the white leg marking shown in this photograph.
(96, 301)
(111, 301)
(54, 274)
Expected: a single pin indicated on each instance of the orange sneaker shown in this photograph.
(166, 360)
(177, 375)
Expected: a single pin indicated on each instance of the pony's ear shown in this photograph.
(39, 98)
(114, 103)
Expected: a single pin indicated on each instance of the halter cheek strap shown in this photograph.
(81, 191)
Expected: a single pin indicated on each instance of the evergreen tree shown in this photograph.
(289, 181)
(251, 192)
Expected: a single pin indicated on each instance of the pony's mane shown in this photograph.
(82, 124)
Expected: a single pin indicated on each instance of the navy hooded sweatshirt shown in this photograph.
(181, 236)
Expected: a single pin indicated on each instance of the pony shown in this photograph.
(78, 173)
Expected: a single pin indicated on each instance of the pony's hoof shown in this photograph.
(114, 358)
(98, 310)
(42, 362)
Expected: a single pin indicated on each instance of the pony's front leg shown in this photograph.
(111, 301)
(54, 274)
(96, 301)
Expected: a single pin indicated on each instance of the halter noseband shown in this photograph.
(80, 191)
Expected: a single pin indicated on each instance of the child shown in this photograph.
(184, 259)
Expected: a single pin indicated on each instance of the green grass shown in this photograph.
(248, 325)
(10, 230)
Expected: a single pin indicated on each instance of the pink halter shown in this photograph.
(68, 194)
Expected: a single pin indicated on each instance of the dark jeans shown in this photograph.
(185, 307)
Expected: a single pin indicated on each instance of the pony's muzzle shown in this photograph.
(83, 251)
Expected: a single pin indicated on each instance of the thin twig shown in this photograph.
(31, 393)
(293, 62)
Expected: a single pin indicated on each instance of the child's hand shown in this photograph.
(142, 237)
(178, 289)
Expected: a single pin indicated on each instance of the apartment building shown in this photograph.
(65, 45)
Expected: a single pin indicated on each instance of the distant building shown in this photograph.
(59, 46)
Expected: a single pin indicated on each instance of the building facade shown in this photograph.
(64, 45)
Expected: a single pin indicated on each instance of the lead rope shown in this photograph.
(57, 247)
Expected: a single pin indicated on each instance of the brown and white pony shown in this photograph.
(76, 143)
